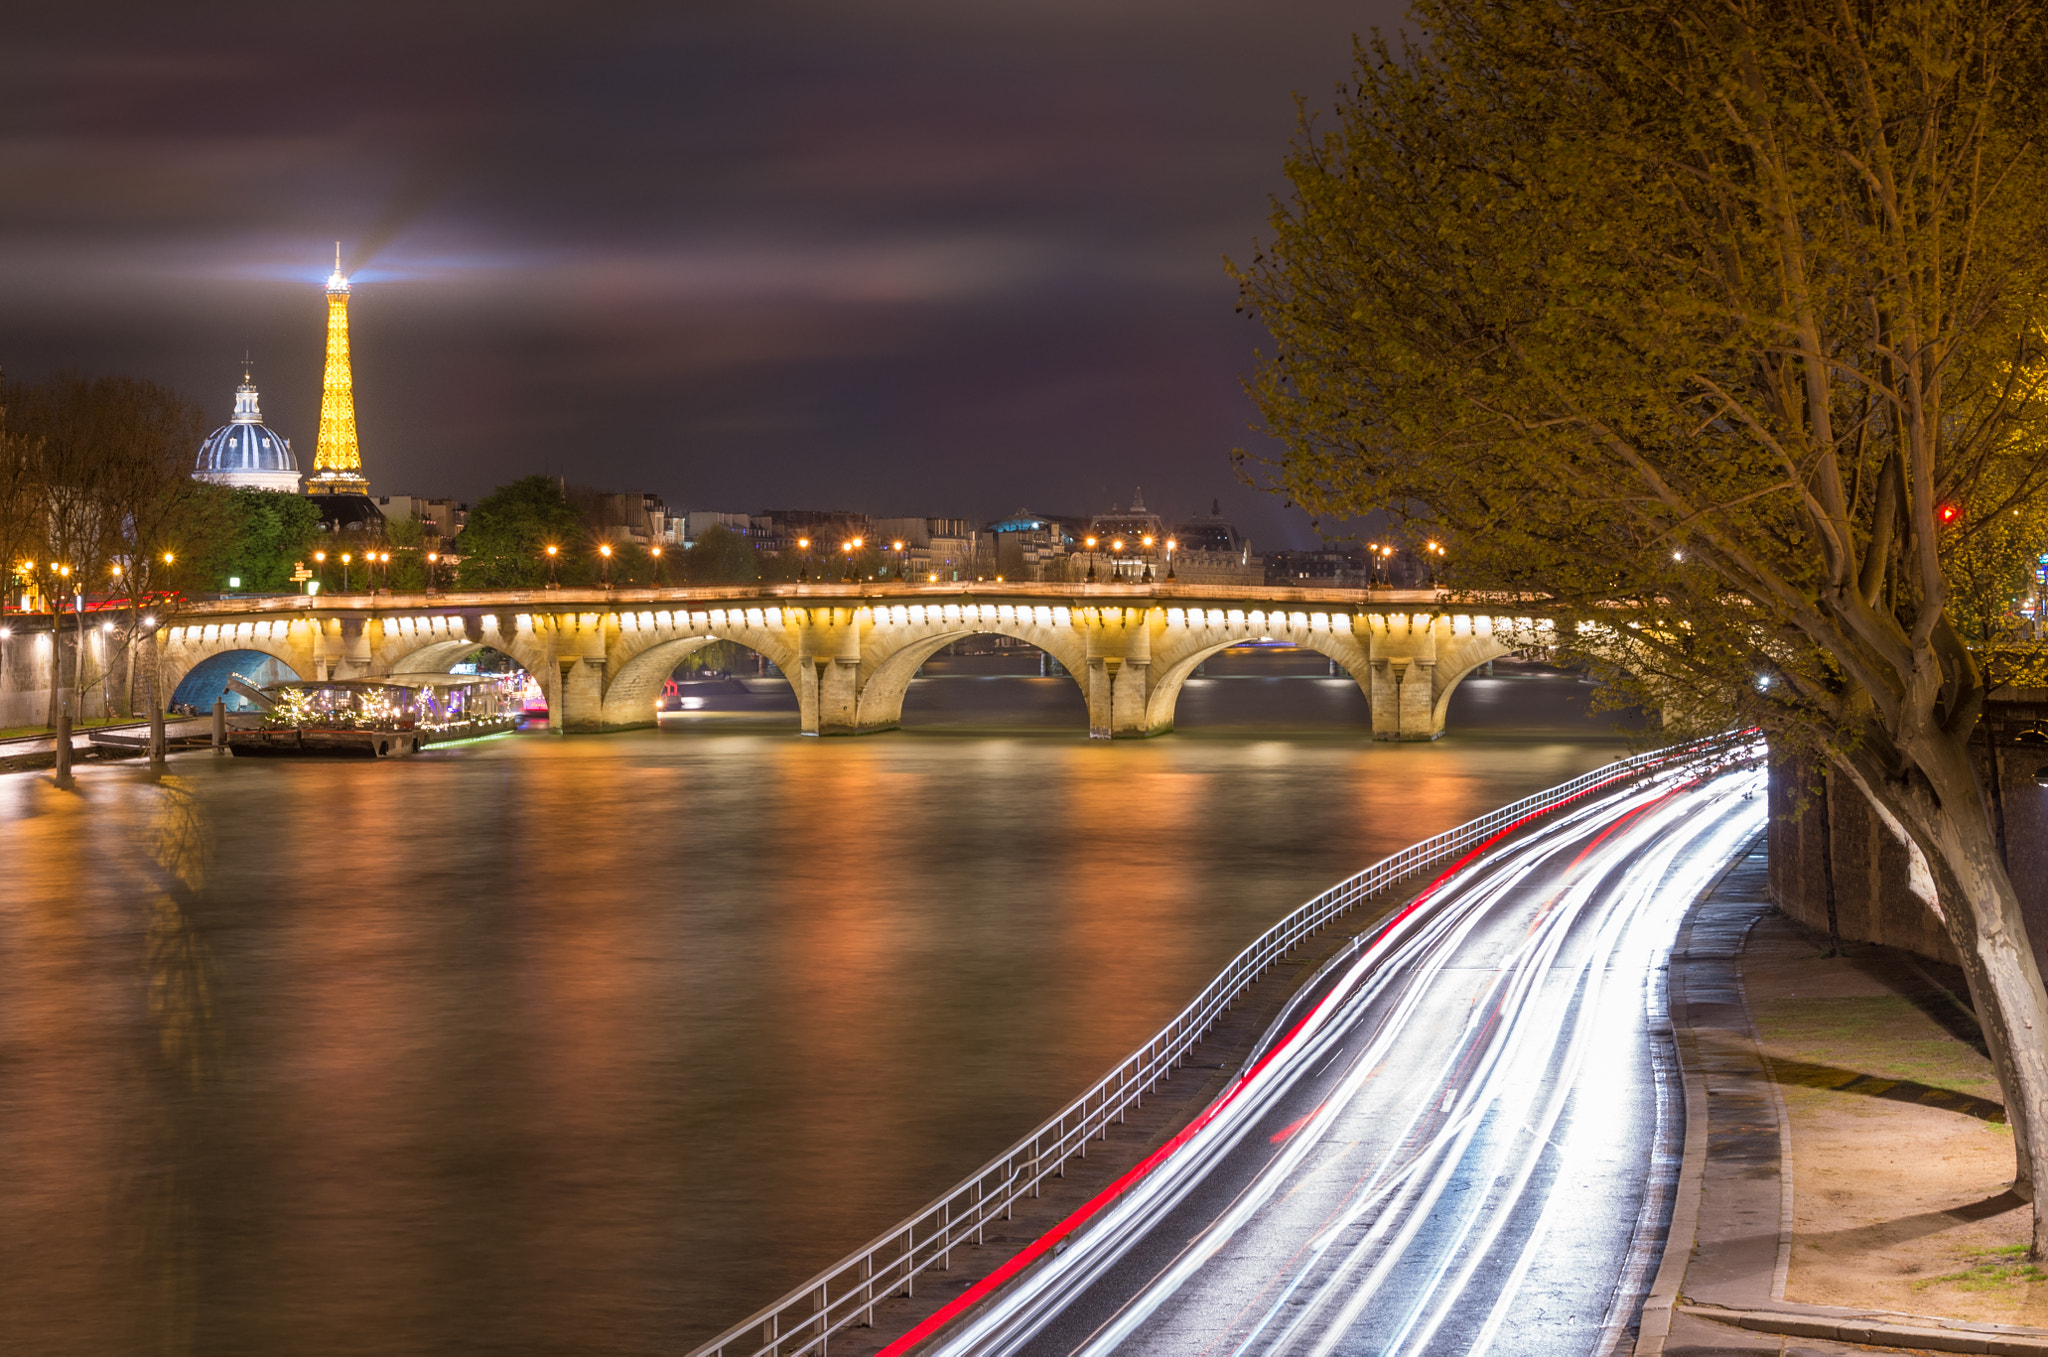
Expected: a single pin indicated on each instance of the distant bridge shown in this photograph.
(850, 650)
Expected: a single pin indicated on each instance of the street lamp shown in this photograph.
(1116, 565)
(847, 547)
(433, 558)
(1147, 540)
(345, 559)
(803, 569)
(605, 550)
(384, 563)
(901, 567)
(1170, 545)
(553, 553)
(1436, 553)
(655, 552)
(1091, 559)
(319, 569)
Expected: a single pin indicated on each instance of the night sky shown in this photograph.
(907, 258)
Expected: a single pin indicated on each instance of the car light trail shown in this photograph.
(1389, 1206)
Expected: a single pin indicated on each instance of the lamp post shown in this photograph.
(345, 581)
(1090, 541)
(847, 547)
(1170, 545)
(554, 552)
(433, 558)
(1147, 540)
(1436, 553)
(803, 568)
(902, 567)
(605, 550)
(1116, 555)
(319, 568)
(655, 552)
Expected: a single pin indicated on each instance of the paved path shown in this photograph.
(1721, 1288)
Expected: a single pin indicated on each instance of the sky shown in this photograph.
(907, 258)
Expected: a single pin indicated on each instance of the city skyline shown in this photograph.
(917, 262)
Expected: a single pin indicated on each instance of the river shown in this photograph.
(594, 1045)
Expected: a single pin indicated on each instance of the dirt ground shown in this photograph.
(1901, 1159)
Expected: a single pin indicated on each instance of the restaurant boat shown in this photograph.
(374, 718)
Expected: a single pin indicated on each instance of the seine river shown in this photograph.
(594, 1045)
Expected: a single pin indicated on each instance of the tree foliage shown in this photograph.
(504, 545)
(255, 536)
(721, 556)
(1719, 328)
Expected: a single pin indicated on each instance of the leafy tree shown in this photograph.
(1720, 327)
(256, 536)
(94, 479)
(504, 545)
(721, 556)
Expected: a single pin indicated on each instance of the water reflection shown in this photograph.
(593, 1045)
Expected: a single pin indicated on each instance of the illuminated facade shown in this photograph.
(246, 452)
(337, 462)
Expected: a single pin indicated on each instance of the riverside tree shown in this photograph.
(1719, 327)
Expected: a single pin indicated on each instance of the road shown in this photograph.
(1461, 1138)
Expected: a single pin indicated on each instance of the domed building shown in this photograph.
(246, 452)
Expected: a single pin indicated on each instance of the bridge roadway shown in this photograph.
(1465, 1144)
(850, 650)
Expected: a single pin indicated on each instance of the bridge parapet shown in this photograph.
(850, 651)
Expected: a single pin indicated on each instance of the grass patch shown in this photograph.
(20, 732)
(1884, 1035)
(1991, 1270)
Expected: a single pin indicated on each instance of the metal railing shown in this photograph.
(845, 1294)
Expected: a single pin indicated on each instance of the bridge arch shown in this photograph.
(886, 679)
(642, 662)
(206, 679)
(1171, 677)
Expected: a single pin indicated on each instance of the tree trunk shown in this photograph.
(1940, 806)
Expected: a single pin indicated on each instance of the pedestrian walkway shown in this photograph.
(1721, 1288)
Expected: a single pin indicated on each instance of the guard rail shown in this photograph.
(845, 1294)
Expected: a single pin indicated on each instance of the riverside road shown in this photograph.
(1462, 1138)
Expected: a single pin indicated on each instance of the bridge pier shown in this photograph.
(850, 651)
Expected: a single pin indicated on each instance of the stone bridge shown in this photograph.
(851, 650)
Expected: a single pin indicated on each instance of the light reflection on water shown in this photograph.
(594, 1045)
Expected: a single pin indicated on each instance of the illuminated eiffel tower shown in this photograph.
(337, 462)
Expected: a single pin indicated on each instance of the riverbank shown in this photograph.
(1847, 1168)
(1901, 1158)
